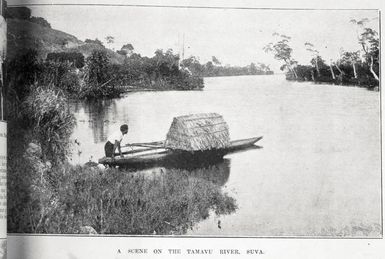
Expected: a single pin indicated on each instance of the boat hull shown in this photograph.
(159, 155)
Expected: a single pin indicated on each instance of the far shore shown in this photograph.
(132, 89)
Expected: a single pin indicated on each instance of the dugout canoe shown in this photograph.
(154, 152)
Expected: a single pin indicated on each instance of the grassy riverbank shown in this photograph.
(75, 199)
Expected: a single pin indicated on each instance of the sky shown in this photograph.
(234, 36)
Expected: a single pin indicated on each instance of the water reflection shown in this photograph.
(98, 114)
(217, 172)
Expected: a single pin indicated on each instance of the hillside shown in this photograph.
(23, 35)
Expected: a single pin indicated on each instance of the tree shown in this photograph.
(110, 40)
(216, 61)
(126, 50)
(128, 46)
(253, 69)
(282, 51)
(315, 56)
(369, 41)
(165, 63)
(331, 69)
(193, 65)
(97, 67)
(336, 64)
(209, 67)
(359, 25)
(351, 58)
(95, 41)
(265, 68)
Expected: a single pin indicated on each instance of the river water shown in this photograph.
(317, 173)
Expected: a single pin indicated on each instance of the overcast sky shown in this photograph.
(234, 36)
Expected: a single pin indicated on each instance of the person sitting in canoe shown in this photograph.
(114, 140)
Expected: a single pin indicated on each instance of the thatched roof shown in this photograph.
(198, 132)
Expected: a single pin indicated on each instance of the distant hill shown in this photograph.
(23, 35)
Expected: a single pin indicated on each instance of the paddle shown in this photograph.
(146, 147)
(143, 145)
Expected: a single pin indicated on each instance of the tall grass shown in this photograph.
(120, 202)
(36, 142)
(47, 110)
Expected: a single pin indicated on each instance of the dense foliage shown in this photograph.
(76, 58)
(214, 68)
(27, 70)
(96, 76)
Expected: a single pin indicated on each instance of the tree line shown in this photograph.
(360, 67)
(96, 76)
(192, 64)
(215, 68)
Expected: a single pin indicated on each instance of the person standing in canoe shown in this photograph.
(114, 140)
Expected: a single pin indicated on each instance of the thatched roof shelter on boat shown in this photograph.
(198, 132)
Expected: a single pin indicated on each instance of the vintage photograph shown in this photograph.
(147, 120)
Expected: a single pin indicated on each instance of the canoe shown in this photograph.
(154, 152)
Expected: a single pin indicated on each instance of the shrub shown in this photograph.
(97, 68)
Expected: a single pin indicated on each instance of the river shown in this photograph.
(317, 173)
